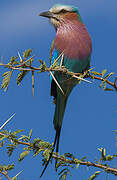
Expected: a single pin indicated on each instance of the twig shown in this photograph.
(87, 163)
(102, 79)
(7, 121)
(56, 68)
(5, 173)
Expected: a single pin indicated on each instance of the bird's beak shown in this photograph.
(47, 14)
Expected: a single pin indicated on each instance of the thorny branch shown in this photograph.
(25, 65)
(61, 158)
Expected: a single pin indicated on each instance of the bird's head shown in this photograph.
(60, 14)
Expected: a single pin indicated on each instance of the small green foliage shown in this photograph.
(94, 175)
(69, 155)
(104, 72)
(104, 157)
(23, 155)
(42, 66)
(109, 158)
(1, 144)
(36, 141)
(27, 53)
(83, 158)
(24, 138)
(103, 153)
(46, 154)
(6, 167)
(6, 80)
(13, 61)
(64, 174)
(17, 131)
(10, 148)
(77, 166)
(21, 76)
(30, 134)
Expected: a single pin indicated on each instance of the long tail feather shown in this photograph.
(57, 146)
(50, 155)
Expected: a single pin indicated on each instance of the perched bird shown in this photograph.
(73, 40)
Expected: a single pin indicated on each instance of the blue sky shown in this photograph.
(90, 117)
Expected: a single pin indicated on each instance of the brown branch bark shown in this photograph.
(87, 163)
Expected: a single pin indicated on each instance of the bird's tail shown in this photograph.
(58, 118)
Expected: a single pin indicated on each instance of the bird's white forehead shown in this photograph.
(57, 8)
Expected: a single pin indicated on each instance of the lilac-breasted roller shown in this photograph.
(73, 40)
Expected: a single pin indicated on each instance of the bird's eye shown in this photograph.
(63, 11)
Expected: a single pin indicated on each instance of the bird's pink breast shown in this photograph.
(73, 39)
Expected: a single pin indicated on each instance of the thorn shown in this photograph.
(21, 60)
(56, 82)
(7, 121)
(62, 60)
(57, 59)
(1, 59)
(81, 79)
(17, 175)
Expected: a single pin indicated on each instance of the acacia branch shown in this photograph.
(87, 163)
(5, 173)
(60, 158)
(25, 65)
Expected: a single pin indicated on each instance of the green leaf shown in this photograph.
(104, 87)
(69, 155)
(10, 148)
(94, 175)
(21, 76)
(30, 134)
(109, 158)
(101, 84)
(23, 155)
(6, 80)
(83, 158)
(65, 169)
(8, 167)
(77, 166)
(1, 144)
(104, 72)
(24, 138)
(2, 137)
(17, 131)
(13, 61)
(27, 53)
(103, 153)
(41, 61)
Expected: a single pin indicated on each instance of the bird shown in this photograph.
(73, 44)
